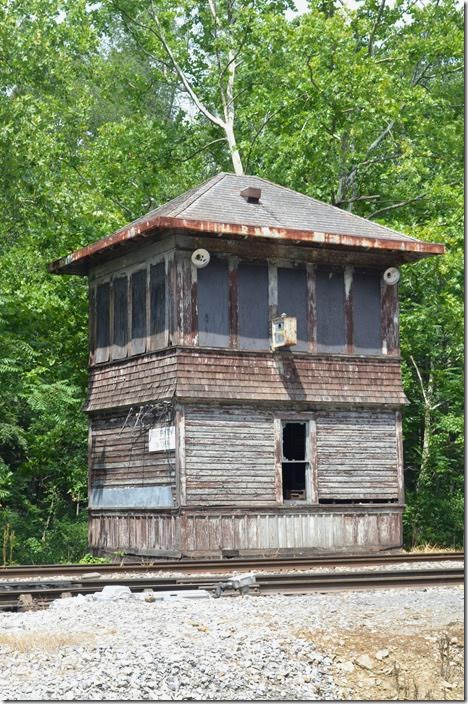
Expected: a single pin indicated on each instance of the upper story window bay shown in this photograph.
(338, 310)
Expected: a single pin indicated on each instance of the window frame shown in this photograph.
(151, 341)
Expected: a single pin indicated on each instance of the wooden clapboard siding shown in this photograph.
(357, 455)
(120, 457)
(229, 457)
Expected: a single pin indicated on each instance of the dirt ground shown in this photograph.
(427, 665)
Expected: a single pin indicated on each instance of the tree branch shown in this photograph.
(374, 28)
(423, 391)
(355, 198)
(181, 74)
(397, 205)
(201, 149)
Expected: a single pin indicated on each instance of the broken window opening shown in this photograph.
(294, 462)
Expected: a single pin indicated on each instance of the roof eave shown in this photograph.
(76, 262)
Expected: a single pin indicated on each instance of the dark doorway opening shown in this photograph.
(294, 464)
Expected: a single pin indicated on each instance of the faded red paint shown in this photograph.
(76, 262)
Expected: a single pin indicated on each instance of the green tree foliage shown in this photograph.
(106, 111)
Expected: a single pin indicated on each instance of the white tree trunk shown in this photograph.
(234, 151)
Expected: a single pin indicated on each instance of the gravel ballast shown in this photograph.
(248, 648)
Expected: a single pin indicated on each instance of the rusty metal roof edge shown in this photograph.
(326, 239)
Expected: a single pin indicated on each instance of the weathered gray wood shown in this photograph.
(120, 322)
(330, 310)
(367, 334)
(157, 305)
(292, 300)
(102, 322)
(221, 458)
(390, 320)
(357, 457)
(138, 287)
(254, 330)
(213, 304)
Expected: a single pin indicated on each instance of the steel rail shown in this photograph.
(11, 592)
(227, 564)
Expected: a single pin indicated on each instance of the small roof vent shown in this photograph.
(251, 194)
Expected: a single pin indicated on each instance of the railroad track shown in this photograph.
(228, 564)
(11, 593)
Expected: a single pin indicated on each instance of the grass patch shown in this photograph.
(26, 642)
(429, 547)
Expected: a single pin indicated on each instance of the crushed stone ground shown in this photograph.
(278, 647)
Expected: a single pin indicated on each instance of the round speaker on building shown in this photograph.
(200, 258)
(391, 275)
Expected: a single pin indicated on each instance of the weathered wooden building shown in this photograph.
(204, 436)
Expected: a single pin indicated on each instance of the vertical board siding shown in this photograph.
(292, 300)
(262, 533)
(366, 312)
(330, 310)
(229, 457)
(254, 329)
(267, 533)
(213, 304)
(390, 320)
(357, 455)
(133, 531)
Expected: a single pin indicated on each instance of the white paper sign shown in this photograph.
(161, 439)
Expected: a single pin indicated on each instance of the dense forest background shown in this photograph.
(108, 109)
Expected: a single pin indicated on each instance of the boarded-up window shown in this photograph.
(158, 304)
(330, 302)
(138, 283)
(253, 307)
(366, 313)
(120, 317)
(292, 300)
(213, 304)
(102, 322)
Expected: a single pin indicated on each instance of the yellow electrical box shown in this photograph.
(283, 331)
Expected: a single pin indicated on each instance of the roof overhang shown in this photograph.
(80, 261)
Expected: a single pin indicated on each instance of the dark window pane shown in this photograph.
(330, 299)
(254, 331)
(366, 312)
(292, 300)
(213, 304)
(138, 311)
(102, 317)
(120, 312)
(294, 441)
(158, 302)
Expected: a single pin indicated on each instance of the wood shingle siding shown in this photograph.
(132, 381)
(357, 455)
(237, 376)
(229, 457)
